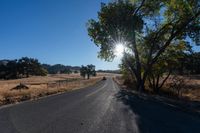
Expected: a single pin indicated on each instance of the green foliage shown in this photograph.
(88, 71)
(23, 67)
(116, 24)
(165, 65)
(30, 66)
(66, 71)
(76, 71)
(153, 31)
(83, 71)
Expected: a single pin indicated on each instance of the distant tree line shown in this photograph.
(87, 71)
(109, 71)
(24, 67)
(62, 69)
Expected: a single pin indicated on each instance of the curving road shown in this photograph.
(103, 108)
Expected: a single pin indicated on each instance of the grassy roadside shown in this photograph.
(182, 104)
(41, 90)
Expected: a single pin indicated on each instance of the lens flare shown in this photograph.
(119, 49)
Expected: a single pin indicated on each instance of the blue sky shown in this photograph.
(53, 31)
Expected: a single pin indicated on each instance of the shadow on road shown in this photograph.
(159, 116)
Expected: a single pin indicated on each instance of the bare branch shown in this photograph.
(163, 82)
(136, 11)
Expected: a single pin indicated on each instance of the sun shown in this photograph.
(119, 49)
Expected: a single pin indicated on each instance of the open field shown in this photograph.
(40, 86)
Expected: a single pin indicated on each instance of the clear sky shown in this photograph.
(53, 31)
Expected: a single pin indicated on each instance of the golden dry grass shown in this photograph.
(41, 86)
(191, 87)
(190, 91)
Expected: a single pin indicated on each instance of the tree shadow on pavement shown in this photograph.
(159, 116)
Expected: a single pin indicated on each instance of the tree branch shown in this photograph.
(173, 35)
(137, 10)
(165, 80)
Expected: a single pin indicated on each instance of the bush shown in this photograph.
(7, 98)
(130, 83)
(177, 85)
(20, 87)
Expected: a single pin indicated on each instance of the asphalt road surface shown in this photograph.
(103, 108)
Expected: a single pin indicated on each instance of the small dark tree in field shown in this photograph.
(91, 71)
(75, 71)
(146, 28)
(88, 71)
(66, 71)
(83, 71)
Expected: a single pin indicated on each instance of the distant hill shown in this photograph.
(59, 68)
(4, 62)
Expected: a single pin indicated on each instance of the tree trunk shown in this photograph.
(27, 74)
(141, 86)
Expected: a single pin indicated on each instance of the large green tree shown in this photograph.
(30, 66)
(146, 28)
(23, 67)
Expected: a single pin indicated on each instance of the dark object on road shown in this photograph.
(104, 78)
(20, 87)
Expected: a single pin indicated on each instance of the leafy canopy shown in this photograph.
(116, 25)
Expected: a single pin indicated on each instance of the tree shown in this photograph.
(87, 71)
(76, 71)
(12, 70)
(83, 71)
(59, 68)
(23, 67)
(147, 28)
(25, 64)
(91, 71)
(2, 71)
(66, 71)
(30, 66)
(163, 68)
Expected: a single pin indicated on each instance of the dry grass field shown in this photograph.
(190, 90)
(41, 86)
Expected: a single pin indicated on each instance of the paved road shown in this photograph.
(102, 108)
